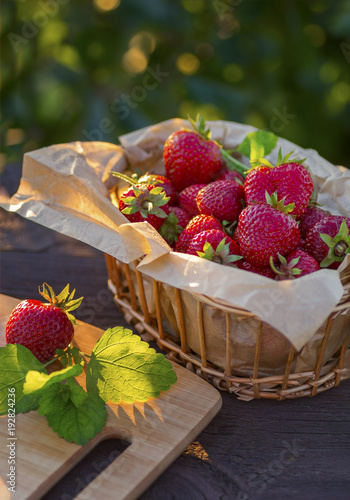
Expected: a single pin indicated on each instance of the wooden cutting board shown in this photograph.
(158, 430)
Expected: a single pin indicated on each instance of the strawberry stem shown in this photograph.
(232, 163)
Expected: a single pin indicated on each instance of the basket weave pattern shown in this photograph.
(128, 287)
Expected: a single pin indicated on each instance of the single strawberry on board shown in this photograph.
(191, 157)
(221, 199)
(214, 245)
(265, 230)
(43, 327)
(296, 264)
(289, 179)
(196, 225)
(329, 240)
(187, 198)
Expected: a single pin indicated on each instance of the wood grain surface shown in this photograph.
(158, 431)
(258, 450)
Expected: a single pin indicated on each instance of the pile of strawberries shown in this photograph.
(262, 220)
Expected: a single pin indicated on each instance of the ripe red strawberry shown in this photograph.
(221, 199)
(43, 328)
(190, 157)
(163, 182)
(196, 225)
(329, 241)
(265, 231)
(298, 263)
(174, 224)
(143, 202)
(231, 175)
(215, 245)
(187, 199)
(290, 180)
(263, 271)
(310, 217)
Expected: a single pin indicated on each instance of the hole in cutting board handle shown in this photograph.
(89, 467)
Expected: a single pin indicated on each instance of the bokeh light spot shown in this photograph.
(316, 34)
(207, 110)
(329, 72)
(338, 97)
(193, 6)
(106, 5)
(232, 73)
(144, 40)
(188, 63)
(134, 61)
(68, 56)
(205, 51)
(255, 119)
(14, 136)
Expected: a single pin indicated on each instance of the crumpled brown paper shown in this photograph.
(65, 187)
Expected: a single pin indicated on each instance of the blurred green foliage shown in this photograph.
(95, 69)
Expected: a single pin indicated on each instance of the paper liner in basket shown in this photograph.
(65, 187)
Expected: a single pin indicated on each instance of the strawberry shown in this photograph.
(190, 157)
(196, 225)
(163, 182)
(266, 230)
(43, 328)
(221, 199)
(174, 224)
(329, 241)
(310, 217)
(144, 202)
(263, 271)
(289, 179)
(298, 263)
(187, 198)
(215, 245)
(231, 175)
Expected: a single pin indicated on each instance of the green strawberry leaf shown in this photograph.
(124, 368)
(36, 382)
(257, 144)
(16, 361)
(73, 413)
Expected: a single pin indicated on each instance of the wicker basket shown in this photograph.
(128, 286)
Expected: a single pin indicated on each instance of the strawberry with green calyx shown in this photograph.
(214, 245)
(298, 263)
(328, 241)
(191, 157)
(289, 178)
(44, 328)
(267, 229)
(196, 225)
(187, 198)
(143, 202)
(174, 224)
(224, 200)
(160, 180)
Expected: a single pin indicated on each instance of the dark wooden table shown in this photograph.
(265, 450)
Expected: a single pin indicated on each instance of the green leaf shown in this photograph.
(15, 361)
(257, 144)
(77, 423)
(124, 368)
(36, 382)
